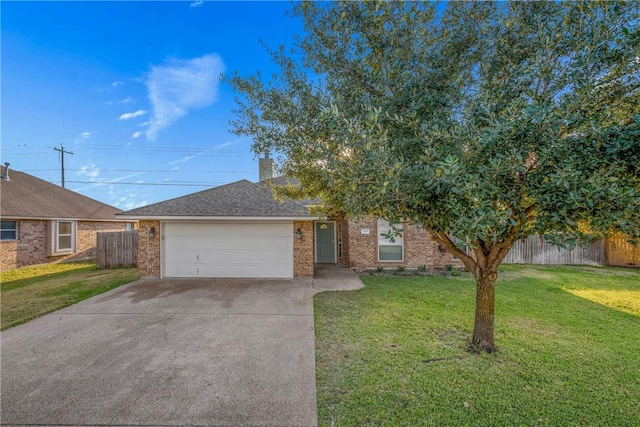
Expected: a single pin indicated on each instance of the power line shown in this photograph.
(137, 148)
(167, 184)
(134, 170)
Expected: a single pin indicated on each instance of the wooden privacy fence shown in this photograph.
(536, 250)
(622, 253)
(117, 249)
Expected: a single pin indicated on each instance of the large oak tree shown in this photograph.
(487, 122)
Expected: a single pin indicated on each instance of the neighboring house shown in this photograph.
(42, 222)
(240, 230)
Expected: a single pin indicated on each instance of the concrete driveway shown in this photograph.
(168, 352)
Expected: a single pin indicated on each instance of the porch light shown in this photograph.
(152, 232)
(298, 233)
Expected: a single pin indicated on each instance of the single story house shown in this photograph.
(42, 222)
(240, 230)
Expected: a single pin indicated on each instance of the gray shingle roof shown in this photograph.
(240, 198)
(285, 180)
(25, 196)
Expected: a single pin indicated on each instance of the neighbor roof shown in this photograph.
(25, 196)
(237, 199)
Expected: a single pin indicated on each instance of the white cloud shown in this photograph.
(224, 144)
(90, 171)
(136, 135)
(179, 86)
(127, 100)
(100, 183)
(197, 3)
(85, 135)
(185, 159)
(132, 205)
(127, 198)
(116, 84)
(133, 115)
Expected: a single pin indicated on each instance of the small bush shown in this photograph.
(400, 271)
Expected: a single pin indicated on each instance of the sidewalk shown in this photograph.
(334, 277)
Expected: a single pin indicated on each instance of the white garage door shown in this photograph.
(254, 249)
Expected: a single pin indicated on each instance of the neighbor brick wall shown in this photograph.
(31, 246)
(303, 249)
(419, 249)
(87, 236)
(148, 249)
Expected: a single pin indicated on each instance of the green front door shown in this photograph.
(325, 242)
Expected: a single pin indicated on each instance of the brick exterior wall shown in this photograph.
(303, 249)
(358, 250)
(31, 246)
(419, 249)
(362, 248)
(149, 249)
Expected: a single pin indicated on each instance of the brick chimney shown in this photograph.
(265, 167)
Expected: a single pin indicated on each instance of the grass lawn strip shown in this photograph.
(33, 291)
(393, 353)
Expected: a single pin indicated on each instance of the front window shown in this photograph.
(9, 230)
(64, 238)
(390, 248)
(464, 248)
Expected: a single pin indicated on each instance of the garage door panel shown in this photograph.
(212, 242)
(250, 256)
(180, 241)
(181, 270)
(182, 256)
(240, 270)
(228, 250)
(270, 243)
(273, 230)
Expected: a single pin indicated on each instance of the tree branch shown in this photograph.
(451, 247)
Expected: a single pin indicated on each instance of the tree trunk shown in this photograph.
(482, 339)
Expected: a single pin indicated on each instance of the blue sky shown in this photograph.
(132, 89)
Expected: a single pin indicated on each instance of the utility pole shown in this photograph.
(62, 151)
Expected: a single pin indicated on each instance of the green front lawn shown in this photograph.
(30, 292)
(568, 351)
